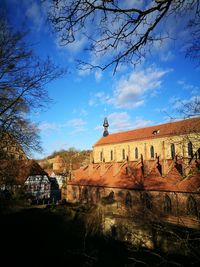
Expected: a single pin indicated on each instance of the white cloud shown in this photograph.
(84, 72)
(189, 87)
(81, 112)
(45, 126)
(77, 45)
(131, 91)
(99, 98)
(121, 121)
(167, 56)
(98, 75)
(77, 125)
(35, 14)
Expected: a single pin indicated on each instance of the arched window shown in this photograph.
(85, 194)
(167, 207)
(191, 206)
(111, 155)
(74, 192)
(152, 152)
(128, 200)
(123, 153)
(98, 195)
(136, 153)
(190, 150)
(111, 196)
(101, 156)
(172, 151)
(146, 201)
(113, 231)
(198, 153)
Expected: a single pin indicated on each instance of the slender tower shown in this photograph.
(105, 125)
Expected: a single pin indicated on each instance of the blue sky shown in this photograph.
(132, 98)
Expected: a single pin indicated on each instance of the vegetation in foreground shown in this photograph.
(61, 236)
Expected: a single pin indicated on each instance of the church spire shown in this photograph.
(105, 125)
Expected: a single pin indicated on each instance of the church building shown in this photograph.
(153, 171)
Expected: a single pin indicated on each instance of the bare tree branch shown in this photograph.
(23, 77)
(120, 33)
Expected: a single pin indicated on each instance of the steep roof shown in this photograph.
(156, 131)
(130, 176)
(19, 170)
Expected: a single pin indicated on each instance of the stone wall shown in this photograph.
(162, 148)
(172, 207)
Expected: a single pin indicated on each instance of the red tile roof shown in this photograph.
(162, 130)
(130, 176)
(19, 170)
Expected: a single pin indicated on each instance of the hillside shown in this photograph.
(61, 160)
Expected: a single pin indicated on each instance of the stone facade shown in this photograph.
(161, 146)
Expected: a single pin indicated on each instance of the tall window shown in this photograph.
(198, 153)
(172, 151)
(152, 152)
(101, 156)
(98, 194)
(111, 155)
(167, 207)
(136, 153)
(190, 150)
(146, 201)
(123, 153)
(191, 206)
(85, 195)
(74, 192)
(128, 200)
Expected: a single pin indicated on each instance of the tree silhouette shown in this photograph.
(23, 77)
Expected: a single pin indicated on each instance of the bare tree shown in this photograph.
(190, 108)
(122, 31)
(23, 77)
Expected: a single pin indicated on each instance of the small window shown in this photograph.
(111, 155)
(167, 205)
(152, 152)
(128, 200)
(192, 206)
(136, 153)
(172, 151)
(190, 150)
(146, 201)
(198, 153)
(74, 192)
(156, 132)
(101, 156)
(85, 194)
(113, 231)
(98, 195)
(123, 154)
(111, 196)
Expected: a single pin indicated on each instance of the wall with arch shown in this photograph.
(162, 147)
(174, 207)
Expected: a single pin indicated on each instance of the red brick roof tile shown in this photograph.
(130, 176)
(167, 129)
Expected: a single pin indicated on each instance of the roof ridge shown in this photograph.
(160, 124)
(153, 131)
